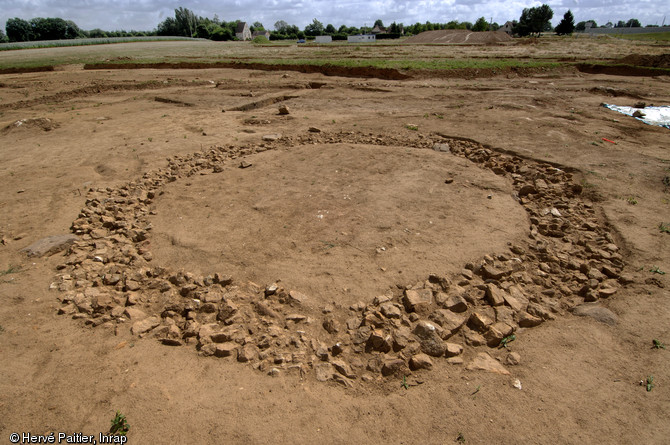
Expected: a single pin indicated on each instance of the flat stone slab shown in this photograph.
(484, 362)
(50, 245)
(596, 312)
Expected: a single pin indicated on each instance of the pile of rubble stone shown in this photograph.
(108, 278)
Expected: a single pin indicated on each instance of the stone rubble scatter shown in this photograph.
(108, 279)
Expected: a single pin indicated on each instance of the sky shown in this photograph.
(144, 15)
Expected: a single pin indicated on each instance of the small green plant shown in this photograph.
(658, 345)
(10, 269)
(412, 127)
(650, 383)
(506, 340)
(151, 139)
(664, 228)
(655, 269)
(460, 438)
(119, 426)
(631, 200)
(404, 383)
(477, 390)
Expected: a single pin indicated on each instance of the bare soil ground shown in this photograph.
(294, 285)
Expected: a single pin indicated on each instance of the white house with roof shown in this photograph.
(242, 32)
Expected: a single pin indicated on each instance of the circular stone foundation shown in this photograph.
(341, 222)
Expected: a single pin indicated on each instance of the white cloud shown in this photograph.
(146, 14)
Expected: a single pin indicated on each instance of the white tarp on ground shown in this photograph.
(659, 116)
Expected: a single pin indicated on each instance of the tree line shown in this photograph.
(187, 24)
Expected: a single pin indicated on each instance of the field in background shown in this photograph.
(519, 52)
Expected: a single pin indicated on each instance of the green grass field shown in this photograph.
(652, 36)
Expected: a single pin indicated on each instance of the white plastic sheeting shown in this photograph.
(659, 116)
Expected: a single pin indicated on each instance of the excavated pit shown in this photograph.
(340, 222)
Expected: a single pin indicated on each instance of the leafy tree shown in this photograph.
(465, 25)
(481, 25)
(202, 31)
(620, 24)
(567, 25)
(187, 22)
(314, 29)
(54, 29)
(258, 26)
(280, 26)
(221, 34)
(3, 37)
(633, 23)
(342, 29)
(495, 26)
(18, 30)
(330, 29)
(168, 27)
(534, 20)
(379, 23)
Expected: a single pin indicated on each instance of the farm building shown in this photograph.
(265, 34)
(323, 39)
(242, 31)
(507, 27)
(367, 38)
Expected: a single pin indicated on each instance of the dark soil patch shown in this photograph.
(660, 61)
(327, 70)
(622, 70)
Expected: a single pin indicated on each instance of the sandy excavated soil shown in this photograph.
(344, 273)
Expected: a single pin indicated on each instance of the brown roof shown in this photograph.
(240, 27)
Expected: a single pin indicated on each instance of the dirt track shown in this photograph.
(580, 376)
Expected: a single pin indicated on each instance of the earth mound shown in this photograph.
(659, 61)
(460, 36)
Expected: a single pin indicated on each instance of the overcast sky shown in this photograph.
(144, 15)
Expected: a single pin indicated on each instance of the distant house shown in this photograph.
(323, 39)
(507, 27)
(378, 30)
(365, 38)
(242, 31)
(265, 34)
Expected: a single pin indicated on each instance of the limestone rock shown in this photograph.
(449, 322)
(248, 353)
(343, 368)
(596, 312)
(528, 321)
(228, 349)
(453, 349)
(324, 371)
(484, 362)
(134, 314)
(418, 300)
(479, 322)
(283, 110)
(145, 325)
(494, 295)
(393, 366)
(420, 361)
(50, 245)
(513, 358)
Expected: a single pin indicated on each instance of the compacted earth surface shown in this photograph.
(248, 256)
